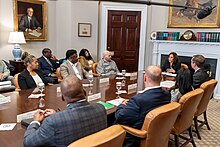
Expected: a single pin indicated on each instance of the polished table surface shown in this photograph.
(20, 103)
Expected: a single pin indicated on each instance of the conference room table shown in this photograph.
(20, 103)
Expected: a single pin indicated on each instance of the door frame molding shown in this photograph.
(104, 7)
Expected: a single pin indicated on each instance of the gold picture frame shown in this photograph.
(34, 27)
(186, 18)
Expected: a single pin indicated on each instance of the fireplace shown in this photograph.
(185, 51)
(209, 66)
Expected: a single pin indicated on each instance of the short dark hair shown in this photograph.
(199, 60)
(28, 59)
(183, 80)
(45, 50)
(70, 53)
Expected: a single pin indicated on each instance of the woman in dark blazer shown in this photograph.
(172, 64)
(31, 76)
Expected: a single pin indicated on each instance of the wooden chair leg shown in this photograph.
(206, 121)
(176, 140)
(191, 136)
(196, 127)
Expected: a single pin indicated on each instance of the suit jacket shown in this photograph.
(67, 69)
(24, 23)
(133, 114)
(45, 67)
(26, 81)
(199, 77)
(78, 120)
(175, 66)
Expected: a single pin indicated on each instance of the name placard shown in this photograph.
(133, 76)
(4, 100)
(132, 86)
(104, 80)
(94, 97)
(26, 115)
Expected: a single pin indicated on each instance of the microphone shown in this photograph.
(205, 12)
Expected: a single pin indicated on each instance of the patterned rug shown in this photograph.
(210, 138)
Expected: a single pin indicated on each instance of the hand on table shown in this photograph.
(49, 112)
(124, 102)
(39, 116)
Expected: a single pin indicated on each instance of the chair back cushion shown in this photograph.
(189, 103)
(109, 137)
(158, 123)
(208, 88)
(94, 67)
(59, 74)
(16, 82)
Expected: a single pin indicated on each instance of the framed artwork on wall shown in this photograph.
(187, 18)
(84, 29)
(30, 17)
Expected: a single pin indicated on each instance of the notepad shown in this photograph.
(116, 102)
(4, 99)
(106, 105)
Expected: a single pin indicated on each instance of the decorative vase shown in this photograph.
(17, 52)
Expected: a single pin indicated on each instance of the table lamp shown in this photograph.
(17, 38)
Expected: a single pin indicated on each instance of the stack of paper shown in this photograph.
(167, 84)
(116, 102)
(4, 84)
(106, 105)
(168, 74)
(35, 33)
(4, 99)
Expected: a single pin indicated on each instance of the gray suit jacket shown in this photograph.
(79, 119)
(67, 69)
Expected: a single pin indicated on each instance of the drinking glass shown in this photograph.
(41, 87)
(41, 102)
(123, 73)
(90, 80)
(118, 87)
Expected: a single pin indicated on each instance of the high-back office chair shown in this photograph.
(208, 88)
(157, 126)
(189, 103)
(17, 88)
(184, 66)
(60, 78)
(94, 65)
(110, 137)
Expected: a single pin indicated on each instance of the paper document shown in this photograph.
(167, 84)
(5, 83)
(4, 99)
(35, 96)
(7, 126)
(86, 85)
(168, 74)
(116, 102)
(35, 33)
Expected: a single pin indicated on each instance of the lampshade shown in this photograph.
(16, 37)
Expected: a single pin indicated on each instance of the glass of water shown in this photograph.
(41, 87)
(118, 87)
(123, 73)
(90, 79)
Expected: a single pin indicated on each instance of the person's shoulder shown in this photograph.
(64, 64)
(40, 58)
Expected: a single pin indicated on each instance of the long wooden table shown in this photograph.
(20, 103)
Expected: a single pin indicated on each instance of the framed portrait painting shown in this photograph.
(187, 18)
(30, 17)
(84, 29)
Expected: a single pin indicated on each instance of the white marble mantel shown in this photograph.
(189, 48)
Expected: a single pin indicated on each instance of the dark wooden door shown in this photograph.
(124, 37)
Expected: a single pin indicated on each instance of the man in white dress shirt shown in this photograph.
(72, 66)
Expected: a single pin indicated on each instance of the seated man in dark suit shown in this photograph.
(200, 75)
(28, 22)
(48, 65)
(78, 120)
(132, 112)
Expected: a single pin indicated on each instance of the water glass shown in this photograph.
(90, 80)
(41, 87)
(123, 72)
(118, 87)
(41, 102)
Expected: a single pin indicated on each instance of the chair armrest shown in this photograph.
(135, 132)
(96, 75)
(50, 84)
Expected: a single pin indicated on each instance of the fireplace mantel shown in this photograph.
(188, 48)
